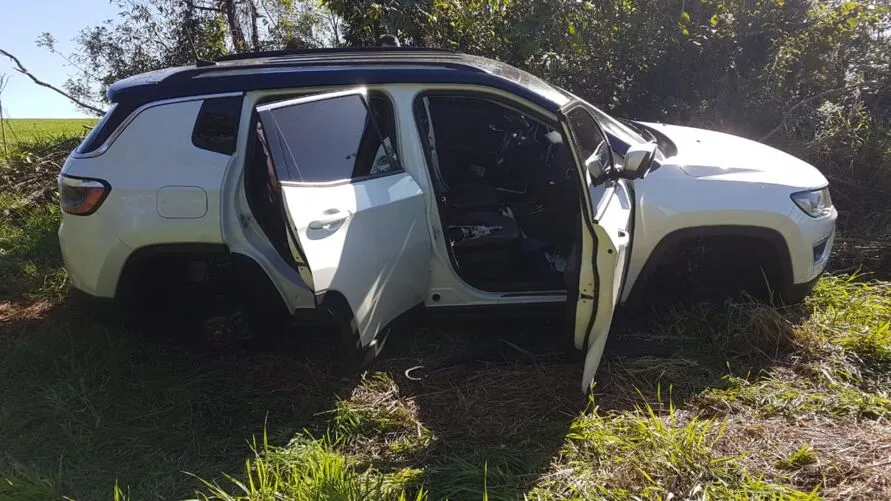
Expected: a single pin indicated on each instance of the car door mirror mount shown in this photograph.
(638, 160)
(594, 166)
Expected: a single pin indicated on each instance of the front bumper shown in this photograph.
(810, 242)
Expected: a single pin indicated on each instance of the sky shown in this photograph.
(21, 22)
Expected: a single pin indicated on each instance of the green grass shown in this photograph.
(30, 260)
(27, 129)
(33, 152)
(854, 315)
(802, 457)
(642, 455)
(841, 362)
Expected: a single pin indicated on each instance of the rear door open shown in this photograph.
(356, 219)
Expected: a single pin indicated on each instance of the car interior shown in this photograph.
(263, 192)
(504, 180)
(507, 192)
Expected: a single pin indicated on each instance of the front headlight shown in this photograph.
(815, 203)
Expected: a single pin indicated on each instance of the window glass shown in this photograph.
(216, 128)
(588, 137)
(329, 140)
(113, 118)
(616, 128)
(385, 159)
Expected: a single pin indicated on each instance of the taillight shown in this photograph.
(82, 196)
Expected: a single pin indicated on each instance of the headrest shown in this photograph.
(554, 137)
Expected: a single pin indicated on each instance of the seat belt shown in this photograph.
(431, 142)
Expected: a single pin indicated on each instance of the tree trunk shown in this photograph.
(231, 11)
(255, 30)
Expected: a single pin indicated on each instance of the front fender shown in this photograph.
(672, 206)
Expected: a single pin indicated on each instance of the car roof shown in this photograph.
(334, 67)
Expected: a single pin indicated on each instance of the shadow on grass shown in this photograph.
(83, 406)
(502, 416)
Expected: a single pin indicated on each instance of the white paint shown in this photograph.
(379, 241)
(367, 240)
(153, 151)
(718, 180)
(182, 202)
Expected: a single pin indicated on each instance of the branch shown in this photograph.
(21, 69)
(202, 7)
(799, 104)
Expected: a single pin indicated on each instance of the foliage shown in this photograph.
(29, 258)
(150, 35)
(30, 162)
(812, 77)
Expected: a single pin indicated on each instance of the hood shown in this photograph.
(709, 154)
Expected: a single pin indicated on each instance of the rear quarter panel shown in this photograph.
(152, 157)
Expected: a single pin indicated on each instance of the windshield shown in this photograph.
(616, 128)
(621, 136)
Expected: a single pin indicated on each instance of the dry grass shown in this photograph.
(844, 459)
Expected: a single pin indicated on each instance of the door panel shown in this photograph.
(604, 237)
(366, 240)
(614, 212)
(614, 216)
(356, 216)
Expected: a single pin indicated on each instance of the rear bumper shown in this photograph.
(93, 258)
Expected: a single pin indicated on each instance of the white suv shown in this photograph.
(369, 183)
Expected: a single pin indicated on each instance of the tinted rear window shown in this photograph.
(216, 128)
(114, 117)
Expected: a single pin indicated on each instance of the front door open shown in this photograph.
(595, 271)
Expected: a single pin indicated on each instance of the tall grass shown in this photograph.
(30, 260)
(312, 469)
(642, 455)
(30, 161)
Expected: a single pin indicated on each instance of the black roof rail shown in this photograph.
(337, 50)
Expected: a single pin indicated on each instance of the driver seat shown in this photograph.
(485, 241)
(471, 197)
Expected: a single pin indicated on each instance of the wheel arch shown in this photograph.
(245, 272)
(663, 253)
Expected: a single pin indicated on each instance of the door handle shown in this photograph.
(329, 217)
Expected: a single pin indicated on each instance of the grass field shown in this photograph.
(26, 129)
(738, 401)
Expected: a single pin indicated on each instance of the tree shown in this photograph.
(4, 79)
(153, 34)
(21, 69)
